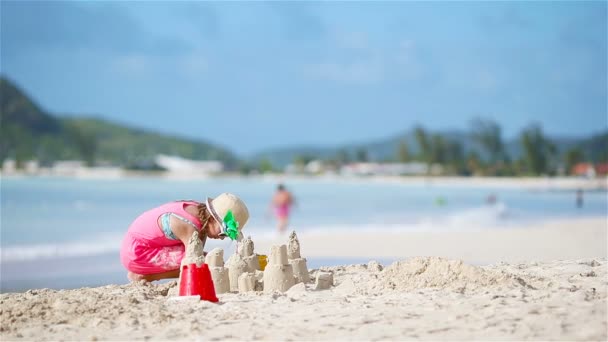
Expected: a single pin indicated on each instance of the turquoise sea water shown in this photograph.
(62, 233)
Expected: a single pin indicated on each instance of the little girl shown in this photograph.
(155, 242)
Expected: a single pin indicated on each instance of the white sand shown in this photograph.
(566, 239)
(426, 298)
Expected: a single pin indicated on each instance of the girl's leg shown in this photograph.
(152, 277)
(144, 262)
(282, 224)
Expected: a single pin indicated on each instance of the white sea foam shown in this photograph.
(487, 217)
(97, 245)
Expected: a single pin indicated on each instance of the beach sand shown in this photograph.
(555, 240)
(543, 283)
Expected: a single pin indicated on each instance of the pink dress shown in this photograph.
(146, 249)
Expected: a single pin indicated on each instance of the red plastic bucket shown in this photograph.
(197, 281)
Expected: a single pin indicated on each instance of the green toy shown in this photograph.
(231, 226)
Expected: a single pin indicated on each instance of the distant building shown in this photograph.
(314, 166)
(398, 169)
(9, 166)
(601, 169)
(584, 170)
(176, 164)
(31, 167)
(389, 169)
(67, 167)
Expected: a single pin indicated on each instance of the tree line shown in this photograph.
(488, 155)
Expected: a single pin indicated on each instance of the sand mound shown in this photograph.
(435, 272)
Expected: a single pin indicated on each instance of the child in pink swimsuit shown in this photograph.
(154, 245)
(281, 203)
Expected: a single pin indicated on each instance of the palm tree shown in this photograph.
(362, 155)
(487, 134)
(424, 145)
(403, 153)
(538, 150)
(438, 149)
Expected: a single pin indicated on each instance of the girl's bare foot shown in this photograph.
(134, 277)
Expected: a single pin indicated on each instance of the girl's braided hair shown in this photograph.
(203, 214)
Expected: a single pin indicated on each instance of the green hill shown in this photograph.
(136, 148)
(28, 132)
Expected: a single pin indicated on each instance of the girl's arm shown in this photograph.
(182, 230)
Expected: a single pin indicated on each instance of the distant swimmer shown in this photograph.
(579, 198)
(281, 203)
(491, 199)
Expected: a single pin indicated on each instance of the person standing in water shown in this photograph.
(579, 198)
(281, 203)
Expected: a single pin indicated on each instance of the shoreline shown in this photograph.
(560, 183)
(544, 242)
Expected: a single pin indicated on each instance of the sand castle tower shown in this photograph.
(247, 282)
(245, 249)
(278, 274)
(300, 270)
(236, 267)
(194, 251)
(193, 255)
(221, 279)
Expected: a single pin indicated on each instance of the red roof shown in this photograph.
(581, 169)
(601, 169)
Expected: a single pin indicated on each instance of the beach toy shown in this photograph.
(196, 281)
(263, 260)
(231, 226)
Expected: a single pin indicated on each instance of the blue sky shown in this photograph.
(254, 75)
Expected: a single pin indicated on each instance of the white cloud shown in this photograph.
(131, 65)
(356, 61)
(486, 80)
(191, 64)
(406, 62)
(357, 72)
(194, 64)
(352, 61)
(352, 40)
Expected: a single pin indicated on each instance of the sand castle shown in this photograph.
(236, 267)
(247, 282)
(285, 268)
(278, 275)
(324, 280)
(300, 270)
(221, 280)
(244, 263)
(193, 255)
(245, 249)
(194, 251)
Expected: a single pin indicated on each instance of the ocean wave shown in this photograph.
(93, 246)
